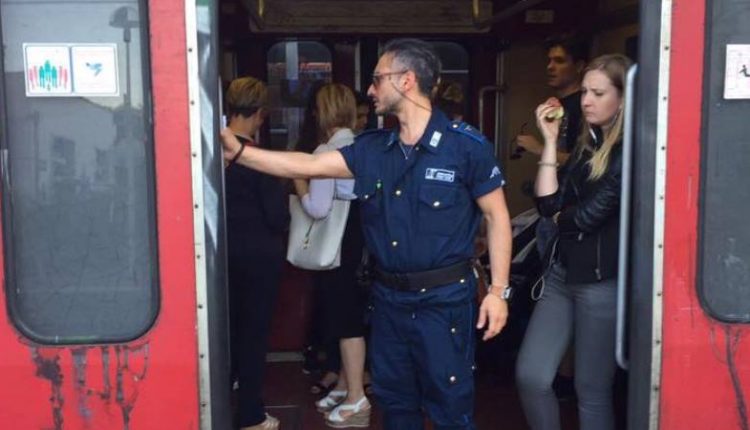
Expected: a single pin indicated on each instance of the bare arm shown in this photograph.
(546, 176)
(499, 239)
(286, 164)
(531, 144)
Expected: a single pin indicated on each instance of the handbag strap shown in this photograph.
(306, 242)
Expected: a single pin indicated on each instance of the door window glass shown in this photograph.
(78, 193)
(294, 70)
(454, 77)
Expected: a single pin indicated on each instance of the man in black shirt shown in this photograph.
(567, 54)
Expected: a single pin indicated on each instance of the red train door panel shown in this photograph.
(705, 380)
(98, 252)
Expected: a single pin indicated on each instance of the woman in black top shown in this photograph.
(257, 219)
(579, 297)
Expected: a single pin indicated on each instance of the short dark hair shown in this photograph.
(576, 45)
(246, 96)
(419, 57)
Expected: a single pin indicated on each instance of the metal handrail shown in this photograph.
(625, 200)
(499, 90)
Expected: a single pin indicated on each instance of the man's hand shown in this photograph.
(230, 143)
(494, 311)
(529, 143)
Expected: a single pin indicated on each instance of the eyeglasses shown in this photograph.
(377, 77)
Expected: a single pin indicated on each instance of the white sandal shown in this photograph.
(270, 423)
(331, 400)
(360, 416)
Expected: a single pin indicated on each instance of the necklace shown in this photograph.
(406, 149)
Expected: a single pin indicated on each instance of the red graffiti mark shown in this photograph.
(79, 379)
(132, 367)
(105, 393)
(47, 363)
(732, 338)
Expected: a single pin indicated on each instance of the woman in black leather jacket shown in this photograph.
(579, 293)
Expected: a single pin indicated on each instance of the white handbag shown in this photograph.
(316, 244)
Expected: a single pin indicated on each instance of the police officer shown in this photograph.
(422, 189)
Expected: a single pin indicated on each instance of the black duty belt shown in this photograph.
(416, 281)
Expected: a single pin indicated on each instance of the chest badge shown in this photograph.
(442, 175)
(435, 139)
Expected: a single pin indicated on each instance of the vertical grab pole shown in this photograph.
(482, 93)
(622, 262)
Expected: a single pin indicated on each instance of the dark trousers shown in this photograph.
(584, 313)
(422, 356)
(254, 285)
(340, 301)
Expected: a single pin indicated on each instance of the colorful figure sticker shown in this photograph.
(71, 70)
(47, 70)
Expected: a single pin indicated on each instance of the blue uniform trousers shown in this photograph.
(422, 356)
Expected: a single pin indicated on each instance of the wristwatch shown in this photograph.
(506, 293)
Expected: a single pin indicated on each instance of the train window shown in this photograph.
(78, 171)
(294, 68)
(455, 62)
(725, 195)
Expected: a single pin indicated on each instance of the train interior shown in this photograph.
(493, 49)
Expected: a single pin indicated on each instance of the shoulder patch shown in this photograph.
(467, 130)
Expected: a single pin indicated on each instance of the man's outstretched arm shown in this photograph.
(329, 164)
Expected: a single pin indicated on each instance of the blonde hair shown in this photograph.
(449, 97)
(336, 107)
(614, 66)
(448, 90)
(246, 96)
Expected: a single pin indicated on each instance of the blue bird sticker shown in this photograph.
(95, 67)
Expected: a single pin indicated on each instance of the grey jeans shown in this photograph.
(584, 313)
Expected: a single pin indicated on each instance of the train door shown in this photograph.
(105, 321)
(690, 300)
(504, 81)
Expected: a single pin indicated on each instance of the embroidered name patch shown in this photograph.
(442, 175)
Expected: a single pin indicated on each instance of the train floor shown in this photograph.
(497, 404)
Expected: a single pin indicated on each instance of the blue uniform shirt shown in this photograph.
(419, 212)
